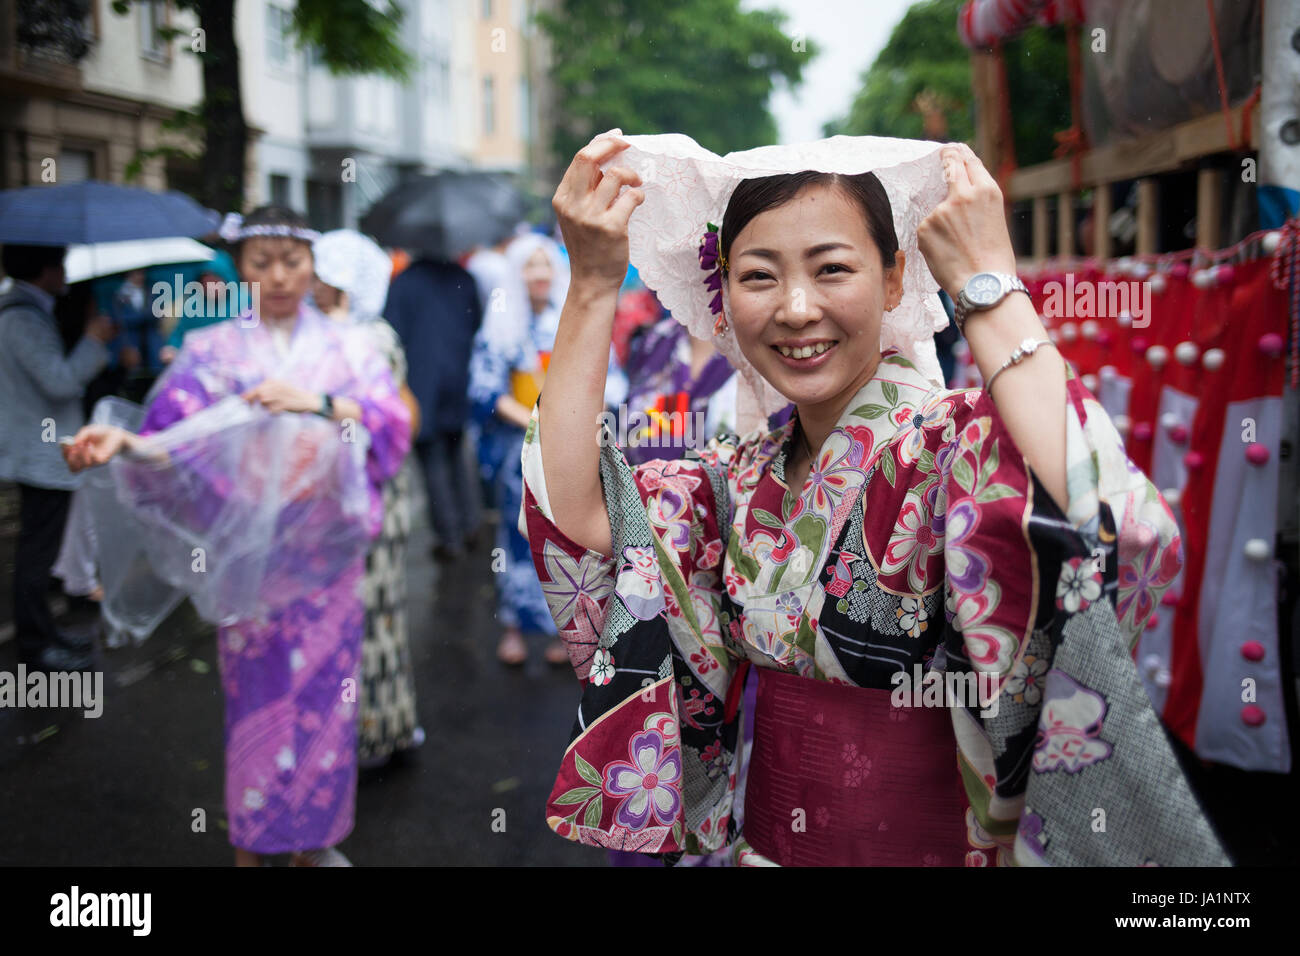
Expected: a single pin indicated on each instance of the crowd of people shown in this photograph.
(440, 361)
(841, 516)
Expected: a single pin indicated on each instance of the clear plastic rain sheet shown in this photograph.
(241, 510)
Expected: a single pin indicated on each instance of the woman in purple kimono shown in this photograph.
(283, 494)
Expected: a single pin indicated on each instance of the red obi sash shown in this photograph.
(874, 791)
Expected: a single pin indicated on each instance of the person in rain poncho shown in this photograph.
(940, 589)
(266, 445)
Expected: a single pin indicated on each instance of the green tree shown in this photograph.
(699, 67)
(350, 36)
(925, 66)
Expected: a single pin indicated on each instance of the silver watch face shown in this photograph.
(983, 289)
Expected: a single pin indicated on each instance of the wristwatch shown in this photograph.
(326, 409)
(983, 291)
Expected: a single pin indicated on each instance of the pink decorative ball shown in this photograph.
(1153, 622)
(1272, 344)
(1194, 460)
(1179, 270)
(1252, 651)
(1178, 434)
(1252, 715)
(1142, 431)
(1139, 345)
(1225, 274)
(1169, 599)
(1257, 454)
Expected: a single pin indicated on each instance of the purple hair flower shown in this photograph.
(712, 261)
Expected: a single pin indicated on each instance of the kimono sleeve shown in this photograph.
(652, 761)
(1063, 734)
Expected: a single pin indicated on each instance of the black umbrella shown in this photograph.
(445, 214)
(91, 212)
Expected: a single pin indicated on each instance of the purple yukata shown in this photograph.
(287, 667)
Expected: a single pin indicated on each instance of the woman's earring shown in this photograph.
(720, 326)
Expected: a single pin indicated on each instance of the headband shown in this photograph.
(233, 230)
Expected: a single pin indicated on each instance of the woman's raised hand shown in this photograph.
(967, 232)
(593, 216)
(93, 445)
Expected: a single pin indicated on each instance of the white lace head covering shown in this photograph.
(352, 262)
(687, 187)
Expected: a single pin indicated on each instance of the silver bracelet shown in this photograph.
(1025, 349)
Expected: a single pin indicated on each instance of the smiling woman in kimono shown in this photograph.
(290, 656)
(892, 531)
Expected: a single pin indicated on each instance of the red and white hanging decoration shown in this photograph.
(1190, 353)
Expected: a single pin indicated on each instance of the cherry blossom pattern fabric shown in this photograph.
(921, 537)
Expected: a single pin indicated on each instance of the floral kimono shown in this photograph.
(290, 549)
(921, 542)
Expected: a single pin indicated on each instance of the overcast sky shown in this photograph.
(850, 34)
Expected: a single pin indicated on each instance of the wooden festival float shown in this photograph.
(1162, 247)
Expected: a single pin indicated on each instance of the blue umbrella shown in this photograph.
(98, 212)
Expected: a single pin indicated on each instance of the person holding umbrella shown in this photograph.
(40, 402)
(290, 664)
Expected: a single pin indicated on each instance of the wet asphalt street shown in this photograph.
(122, 790)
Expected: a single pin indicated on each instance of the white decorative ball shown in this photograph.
(1157, 356)
(1122, 424)
(1270, 241)
(1124, 318)
(1151, 664)
(1257, 549)
(1169, 420)
(1163, 679)
(1108, 373)
(1069, 331)
(1089, 382)
(1186, 352)
(1203, 278)
(1158, 283)
(1213, 359)
(1173, 497)
(1089, 329)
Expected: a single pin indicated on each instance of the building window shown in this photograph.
(75, 165)
(153, 18)
(280, 189)
(324, 205)
(278, 22)
(489, 106)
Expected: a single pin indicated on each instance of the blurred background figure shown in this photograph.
(352, 277)
(40, 402)
(683, 384)
(511, 353)
(76, 311)
(434, 307)
(290, 738)
(132, 310)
